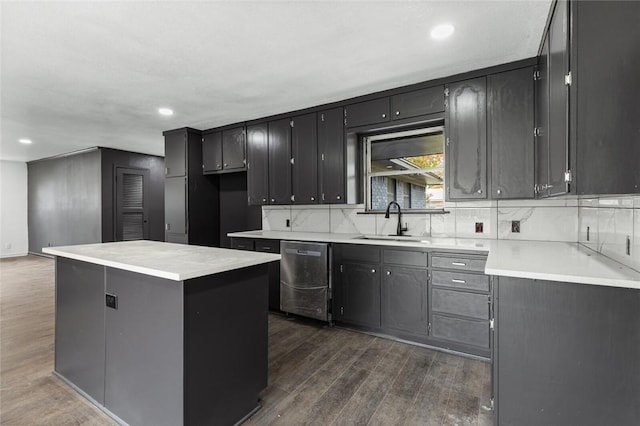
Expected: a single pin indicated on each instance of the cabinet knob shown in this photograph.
(264, 200)
(388, 272)
(273, 200)
(397, 112)
(384, 115)
(226, 164)
(479, 191)
(499, 191)
(313, 198)
(217, 166)
(373, 271)
(338, 197)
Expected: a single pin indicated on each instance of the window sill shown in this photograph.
(412, 211)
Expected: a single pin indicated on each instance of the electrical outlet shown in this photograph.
(479, 227)
(111, 301)
(628, 245)
(7, 246)
(515, 226)
(288, 223)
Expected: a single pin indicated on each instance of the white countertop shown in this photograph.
(177, 262)
(543, 260)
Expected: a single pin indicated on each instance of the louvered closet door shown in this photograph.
(131, 204)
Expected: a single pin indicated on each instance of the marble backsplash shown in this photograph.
(601, 223)
(550, 220)
(611, 226)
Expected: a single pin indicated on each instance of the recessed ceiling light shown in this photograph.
(442, 31)
(165, 111)
(25, 141)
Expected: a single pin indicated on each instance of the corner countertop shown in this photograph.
(542, 260)
(176, 262)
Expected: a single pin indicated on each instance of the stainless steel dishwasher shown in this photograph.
(305, 285)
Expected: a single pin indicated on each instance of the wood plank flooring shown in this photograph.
(317, 375)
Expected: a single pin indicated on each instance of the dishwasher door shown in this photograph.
(304, 279)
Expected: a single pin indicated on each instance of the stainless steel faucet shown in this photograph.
(400, 229)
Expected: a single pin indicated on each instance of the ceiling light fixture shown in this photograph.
(25, 141)
(165, 111)
(442, 31)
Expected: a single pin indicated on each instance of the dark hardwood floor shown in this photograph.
(317, 375)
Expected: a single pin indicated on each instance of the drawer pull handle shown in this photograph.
(458, 264)
(454, 280)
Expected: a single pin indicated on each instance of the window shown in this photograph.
(406, 167)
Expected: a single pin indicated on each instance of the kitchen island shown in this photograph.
(160, 333)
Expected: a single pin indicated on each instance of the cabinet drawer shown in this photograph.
(359, 252)
(267, 246)
(460, 280)
(370, 112)
(468, 332)
(418, 102)
(403, 257)
(242, 244)
(471, 305)
(456, 262)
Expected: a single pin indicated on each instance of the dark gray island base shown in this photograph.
(166, 352)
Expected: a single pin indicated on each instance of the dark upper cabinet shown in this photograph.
(466, 140)
(404, 300)
(233, 149)
(304, 168)
(331, 173)
(258, 164)
(558, 63)
(605, 65)
(175, 154)
(211, 152)
(418, 102)
(369, 112)
(223, 151)
(541, 162)
(511, 112)
(280, 161)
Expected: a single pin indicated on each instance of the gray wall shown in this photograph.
(64, 201)
(112, 158)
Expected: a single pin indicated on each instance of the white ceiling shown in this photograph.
(82, 74)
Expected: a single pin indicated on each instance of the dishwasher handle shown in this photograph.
(298, 252)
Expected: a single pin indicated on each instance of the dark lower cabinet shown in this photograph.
(466, 139)
(359, 294)
(404, 300)
(566, 354)
(265, 246)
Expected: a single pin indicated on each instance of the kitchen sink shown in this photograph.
(409, 238)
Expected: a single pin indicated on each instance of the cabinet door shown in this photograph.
(233, 149)
(418, 102)
(511, 133)
(212, 152)
(79, 326)
(370, 112)
(558, 99)
(175, 203)
(466, 146)
(331, 156)
(175, 153)
(404, 300)
(542, 122)
(360, 291)
(258, 164)
(280, 162)
(304, 149)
